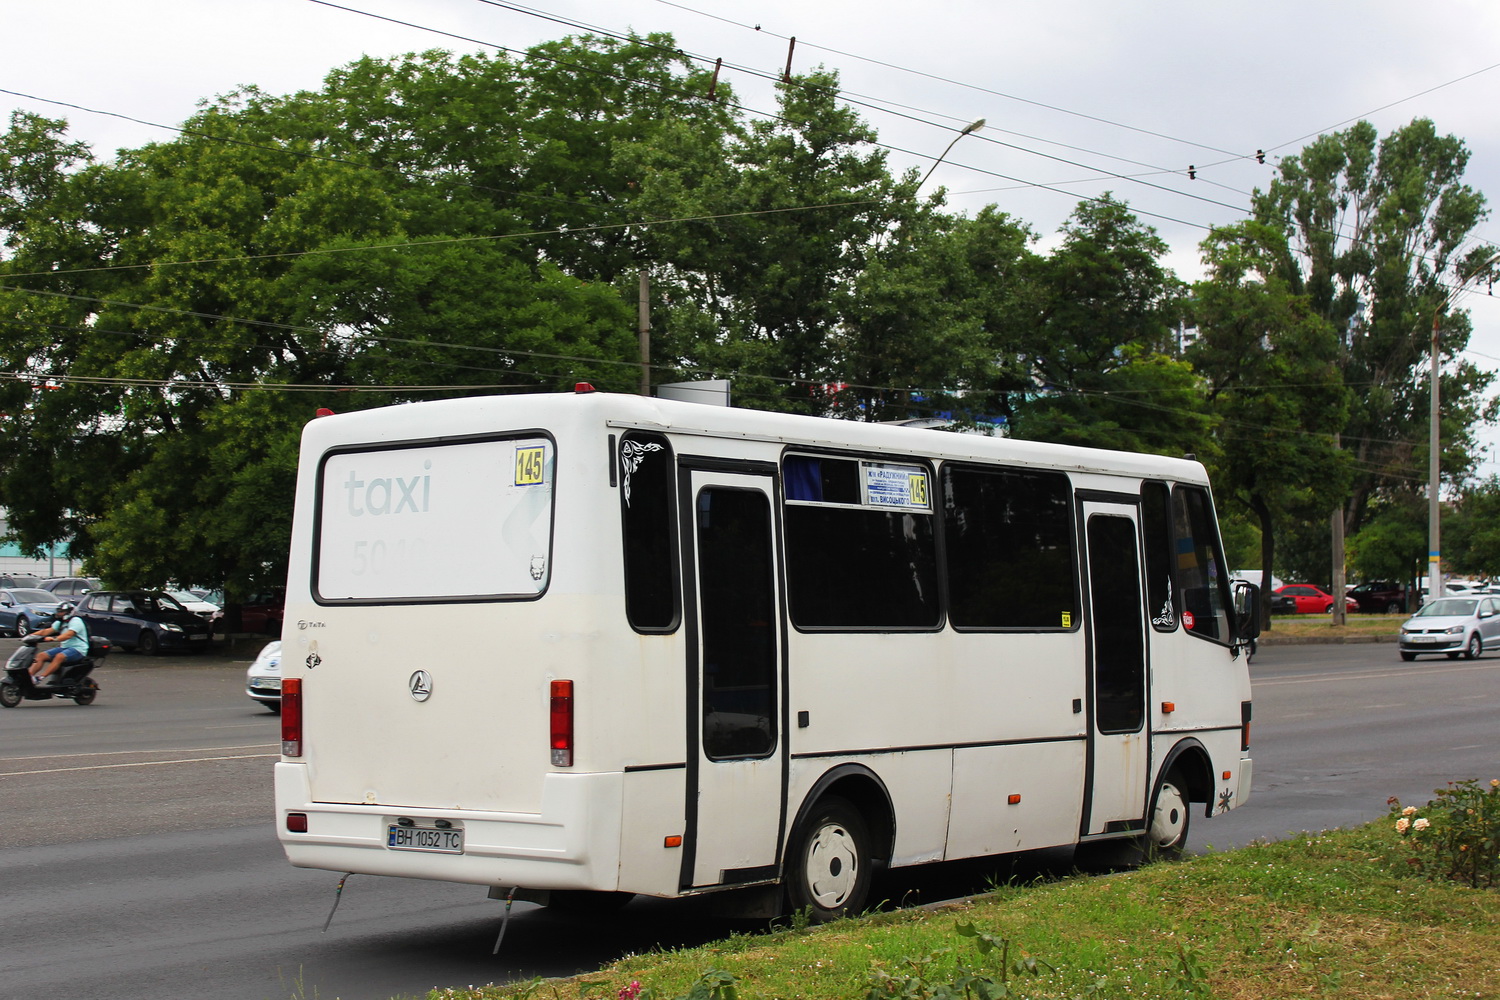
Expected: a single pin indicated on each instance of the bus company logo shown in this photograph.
(420, 685)
(305, 625)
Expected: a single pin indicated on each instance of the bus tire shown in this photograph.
(1167, 830)
(828, 864)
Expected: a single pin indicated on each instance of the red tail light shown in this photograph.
(291, 717)
(562, 723)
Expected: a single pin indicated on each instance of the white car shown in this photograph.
(194, 603)
(263, 679)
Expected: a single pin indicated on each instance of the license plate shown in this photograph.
(266, 683)
(197, 638)
(1423, 638)
(421, 838)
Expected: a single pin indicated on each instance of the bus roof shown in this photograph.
(442, 418)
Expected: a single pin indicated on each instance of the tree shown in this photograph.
(1376, 236)
(1270, 364)
(180, 312)
(930, 324)
(1098, 341)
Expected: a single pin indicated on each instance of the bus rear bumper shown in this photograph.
(1242, 788)
(572, 843)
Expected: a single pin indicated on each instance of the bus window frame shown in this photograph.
(410, 444)
(927, 464)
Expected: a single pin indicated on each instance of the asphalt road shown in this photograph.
(140, 860)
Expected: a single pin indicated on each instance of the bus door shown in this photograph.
(1118, 757)
(736, 754)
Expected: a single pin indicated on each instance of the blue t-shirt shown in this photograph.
(79, 640)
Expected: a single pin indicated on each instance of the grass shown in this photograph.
(1337, 914)
(1320, 626)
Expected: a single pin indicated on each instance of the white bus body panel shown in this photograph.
(953, 725)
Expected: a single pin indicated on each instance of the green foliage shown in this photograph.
(930, 978)
(436, 225)
(1456, 836)
(1392, 545)
(1380, 226)
(1098, 325)
(1471, 531)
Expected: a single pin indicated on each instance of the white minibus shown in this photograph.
(584, 645)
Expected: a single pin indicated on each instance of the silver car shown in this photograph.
(1453, 625)
(263, 679)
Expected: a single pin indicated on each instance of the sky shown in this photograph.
(1079, 97)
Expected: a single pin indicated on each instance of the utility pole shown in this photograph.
(1340, 608)
(643, 313)
(1434, 440)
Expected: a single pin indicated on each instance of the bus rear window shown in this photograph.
(435, 521)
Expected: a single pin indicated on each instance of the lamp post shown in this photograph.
(968, 129)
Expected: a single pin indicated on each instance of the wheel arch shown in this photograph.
(1190, 758)
(863, 789)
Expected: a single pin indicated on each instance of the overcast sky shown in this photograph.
(1079, 96)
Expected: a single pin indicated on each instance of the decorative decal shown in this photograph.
(1226, 800)
(1165, 618)
(632, 454)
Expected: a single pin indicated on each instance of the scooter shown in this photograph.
(72, 681)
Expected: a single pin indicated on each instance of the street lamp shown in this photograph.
(969, 129)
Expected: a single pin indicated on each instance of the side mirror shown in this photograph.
(1246, 611)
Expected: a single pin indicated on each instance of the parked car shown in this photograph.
(145, 620)
(1282, 604)
(1377, 596)
(1452, 625)
(194, 603)
(263, 679)
(71, 586)
(25, 609)
(261, 613)
(11, 580)
(1312, 600)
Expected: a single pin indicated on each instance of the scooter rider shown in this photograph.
(70, 632)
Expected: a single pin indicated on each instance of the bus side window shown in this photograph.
(867, 563)
(1202, 577)
(1156, 522)
(649, 531)
(1011, 561)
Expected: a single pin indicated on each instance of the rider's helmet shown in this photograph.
(63, 610)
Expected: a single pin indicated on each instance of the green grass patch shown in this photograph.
(1314, 626)
(1339, 914)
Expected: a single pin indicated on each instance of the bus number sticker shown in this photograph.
(529, 466)
(900, 486)
(1067, 619)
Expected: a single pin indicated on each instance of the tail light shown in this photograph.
(1244, 725)
(562, 723)
(291, 717)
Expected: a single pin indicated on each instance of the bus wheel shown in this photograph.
(1167, 835)
(828, 865)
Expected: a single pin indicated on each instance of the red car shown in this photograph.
(1312, 600)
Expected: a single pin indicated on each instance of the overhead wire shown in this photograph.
(595, 228)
